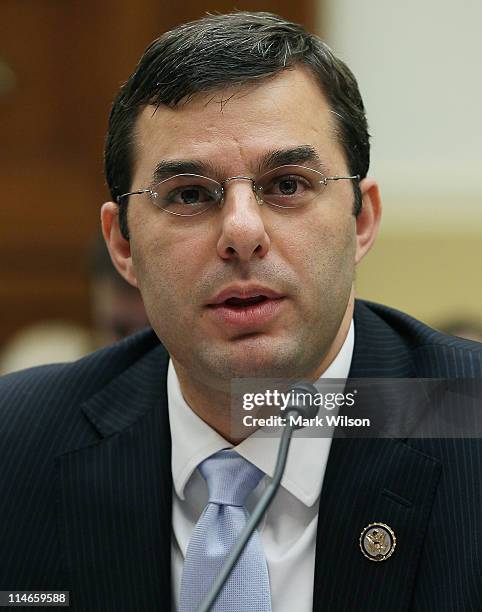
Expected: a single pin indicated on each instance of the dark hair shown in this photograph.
(231, 49)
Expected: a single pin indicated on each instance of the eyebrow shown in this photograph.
(167, 168)
(286, 157)
(272, 159)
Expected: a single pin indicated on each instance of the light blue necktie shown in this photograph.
(230, 480)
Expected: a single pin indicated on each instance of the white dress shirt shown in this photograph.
(288, 529)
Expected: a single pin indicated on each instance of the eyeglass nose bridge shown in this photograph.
(256, 189)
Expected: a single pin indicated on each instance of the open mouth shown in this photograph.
(246, 308)
(244, 302)
(247, 313)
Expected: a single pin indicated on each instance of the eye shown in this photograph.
(189, 195)
(286, 189)
(288, 185)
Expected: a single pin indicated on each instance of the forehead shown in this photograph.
(233, 128)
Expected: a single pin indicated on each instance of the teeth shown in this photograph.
(246, 301)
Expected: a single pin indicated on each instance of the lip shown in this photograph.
(244, 292)
(248, 318)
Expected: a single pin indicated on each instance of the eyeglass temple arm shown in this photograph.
(356, 177)
(129, 193)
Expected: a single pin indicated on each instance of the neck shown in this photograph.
(213, 406)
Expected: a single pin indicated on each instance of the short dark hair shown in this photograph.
(223, 50)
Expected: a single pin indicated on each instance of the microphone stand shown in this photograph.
(264, 501)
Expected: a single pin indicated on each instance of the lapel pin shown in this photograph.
(377, 542)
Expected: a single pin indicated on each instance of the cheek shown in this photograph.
(326, 261)
(167, 263)
(322, 241)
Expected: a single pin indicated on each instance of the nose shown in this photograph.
(243, 232)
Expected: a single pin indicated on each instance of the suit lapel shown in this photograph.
(115, 496)
(372, 481)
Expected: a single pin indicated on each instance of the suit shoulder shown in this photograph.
(434, 353)
(67, 383)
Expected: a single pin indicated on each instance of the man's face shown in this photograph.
(304, 256)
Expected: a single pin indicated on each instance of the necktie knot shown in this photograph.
(230, 477)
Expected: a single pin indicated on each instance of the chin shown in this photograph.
(267, 361)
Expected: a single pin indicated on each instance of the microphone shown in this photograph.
(294, 407)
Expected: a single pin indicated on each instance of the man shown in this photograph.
(237, 159)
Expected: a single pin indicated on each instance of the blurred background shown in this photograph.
(62, 62)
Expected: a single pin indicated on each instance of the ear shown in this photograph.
(368, 219)
(119, 248)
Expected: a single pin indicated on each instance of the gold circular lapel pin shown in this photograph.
(377, 542)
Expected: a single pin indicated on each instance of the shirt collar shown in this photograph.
(193, 440)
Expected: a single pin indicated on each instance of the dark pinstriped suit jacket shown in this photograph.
(85, 483)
